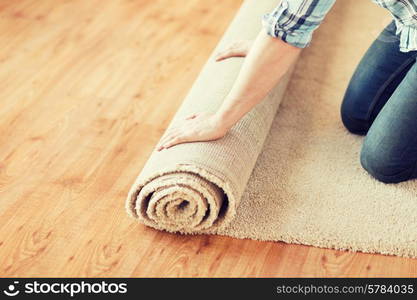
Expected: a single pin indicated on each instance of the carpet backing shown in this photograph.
(288, 171)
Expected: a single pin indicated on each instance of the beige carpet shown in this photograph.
(286, 172)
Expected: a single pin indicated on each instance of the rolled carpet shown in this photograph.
(197, 186)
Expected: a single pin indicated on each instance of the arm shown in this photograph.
(286, 30)
(267, 61)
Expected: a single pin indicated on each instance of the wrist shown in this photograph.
(223, 121)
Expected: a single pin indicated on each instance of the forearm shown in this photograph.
(266, 63)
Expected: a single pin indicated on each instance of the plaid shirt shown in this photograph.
(294, 21)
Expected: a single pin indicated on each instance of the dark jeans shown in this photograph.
(381, 102)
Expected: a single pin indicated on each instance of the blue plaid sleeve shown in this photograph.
(294, 21)
(404, 13)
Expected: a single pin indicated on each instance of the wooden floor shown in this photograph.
(87, 89)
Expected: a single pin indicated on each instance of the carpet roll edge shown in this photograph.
(135, 207)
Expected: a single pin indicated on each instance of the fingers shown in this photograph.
(237, 49)
(226, 54)
(171, 140)
(222, 55)
(181, 133)
(174, 141)
(165, 139)
(173, 133)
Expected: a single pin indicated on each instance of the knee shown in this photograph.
(347, 113)
(380, 166)
(353, 125)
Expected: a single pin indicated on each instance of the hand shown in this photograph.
(195, 128)
(236, 49)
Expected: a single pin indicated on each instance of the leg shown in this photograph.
(378, 74)
(389, 152)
